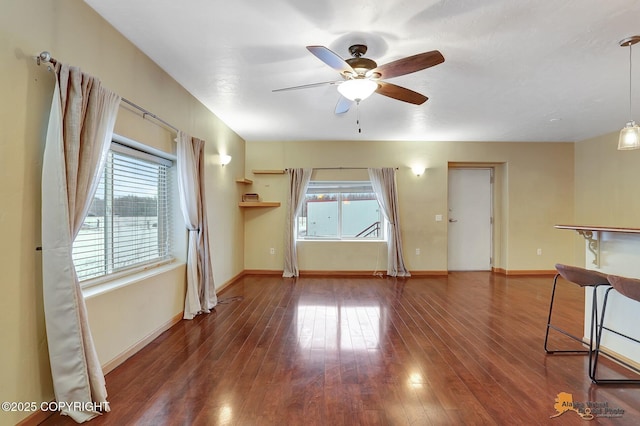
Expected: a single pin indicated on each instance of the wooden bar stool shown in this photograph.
(628, 287)
(584, 278)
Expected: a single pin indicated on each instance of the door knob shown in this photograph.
(453, 220)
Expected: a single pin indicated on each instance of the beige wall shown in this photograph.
(535, 191)
(606, 186)
(74, 34)
(607, 183)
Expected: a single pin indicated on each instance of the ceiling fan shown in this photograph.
(362, 76)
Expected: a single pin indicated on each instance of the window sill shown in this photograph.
(123, 281)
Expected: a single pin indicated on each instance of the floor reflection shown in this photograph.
(332, 327)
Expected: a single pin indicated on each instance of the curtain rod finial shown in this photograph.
(44, 57)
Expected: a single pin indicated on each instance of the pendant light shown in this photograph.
(630, 134)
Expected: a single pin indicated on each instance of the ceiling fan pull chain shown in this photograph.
(358, 116)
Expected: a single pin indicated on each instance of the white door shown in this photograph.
(470, 223)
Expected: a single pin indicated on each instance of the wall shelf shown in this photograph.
(268, 172)
(244, 180)
(259, 204)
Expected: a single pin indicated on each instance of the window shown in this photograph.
(128, 224)
(340, 211)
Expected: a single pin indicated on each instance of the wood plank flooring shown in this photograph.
(457, 350)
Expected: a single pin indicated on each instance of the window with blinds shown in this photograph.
(129, 222)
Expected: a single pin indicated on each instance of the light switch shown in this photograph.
(438, 218)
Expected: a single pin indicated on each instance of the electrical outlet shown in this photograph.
(539, 252)
(272, 250)
(418, 251)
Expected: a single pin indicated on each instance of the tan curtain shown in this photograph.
(80, 128)
(298, 183)
(201, 296)
(384, 186)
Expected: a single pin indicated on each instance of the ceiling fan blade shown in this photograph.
(400, 93)
(343, 105)
(409, 64)
(307, 86)
(332, 59)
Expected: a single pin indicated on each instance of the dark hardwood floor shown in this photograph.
(457, 350)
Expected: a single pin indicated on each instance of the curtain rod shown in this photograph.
(343, 168)
(46, 57)
(146, 113)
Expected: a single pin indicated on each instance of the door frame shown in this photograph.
(492, 204)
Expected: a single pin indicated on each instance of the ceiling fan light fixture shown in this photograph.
(357, 89)
(362, 76)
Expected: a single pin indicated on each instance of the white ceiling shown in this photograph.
(514, 70)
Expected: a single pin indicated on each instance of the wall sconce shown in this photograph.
(418, 170)
(224, 159)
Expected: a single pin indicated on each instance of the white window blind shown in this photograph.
(129, 222)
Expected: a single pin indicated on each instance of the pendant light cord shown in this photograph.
(630, 84)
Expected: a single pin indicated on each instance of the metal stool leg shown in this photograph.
(594, 325)
(595, 354)
(551, 326)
